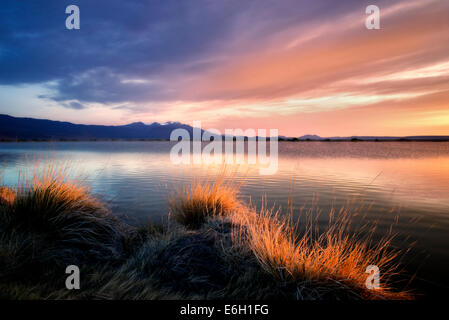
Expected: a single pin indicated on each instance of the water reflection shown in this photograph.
(404, 181)
(137, 174)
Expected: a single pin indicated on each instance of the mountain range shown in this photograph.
(28, 129)
(12, 128)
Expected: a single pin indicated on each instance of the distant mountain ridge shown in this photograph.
(13, 128)
(29, 128)
(373, 138)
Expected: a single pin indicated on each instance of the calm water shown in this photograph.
(402, 183)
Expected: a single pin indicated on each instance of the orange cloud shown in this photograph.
(330, 78)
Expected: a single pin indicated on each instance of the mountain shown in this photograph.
(28, 128)
(389, 138)
(12, 128)
(314, 137)
(310, 137)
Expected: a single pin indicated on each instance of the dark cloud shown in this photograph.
(120, 41)
(74, 105)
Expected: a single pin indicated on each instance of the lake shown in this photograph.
(404, 184)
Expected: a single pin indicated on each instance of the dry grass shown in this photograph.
(236, 252)
(61, 222)
(327, 265)
(7, 196)
(49, 196)
(193, 204)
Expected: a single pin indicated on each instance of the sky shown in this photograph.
(302, 67)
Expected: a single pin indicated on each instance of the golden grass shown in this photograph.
(66, 223)
(193, 204)
(51, 220)
(7, 195)
(52, 182)
(334, 260)
(50, 194)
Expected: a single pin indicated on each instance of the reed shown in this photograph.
(221, 248)
(52, 220)
(191, 205)
(327, 265)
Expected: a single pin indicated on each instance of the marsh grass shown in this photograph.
(330, 264)
(7, 196)
(193, 204)
(322, 264)
(219, 248)
(51, 221)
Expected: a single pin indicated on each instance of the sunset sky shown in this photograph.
(303, 67)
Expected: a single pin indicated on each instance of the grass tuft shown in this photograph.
(7, 196)
(327, 265)
(53, 221)
(230, 250)
(193, 204)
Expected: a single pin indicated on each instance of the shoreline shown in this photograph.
(214, 247)
(168, 140)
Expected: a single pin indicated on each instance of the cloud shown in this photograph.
(171, 41)
(218, 60)
(406, 42)
(74, 105)
(126, 40)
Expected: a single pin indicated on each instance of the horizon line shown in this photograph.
(279, 136)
